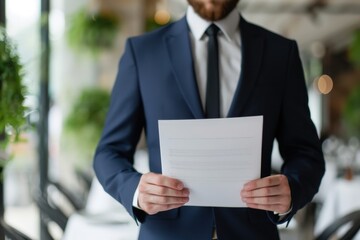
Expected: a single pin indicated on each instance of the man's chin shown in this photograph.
(213, 10)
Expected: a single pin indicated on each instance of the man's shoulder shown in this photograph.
(265, 33)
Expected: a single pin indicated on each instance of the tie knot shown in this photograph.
(212, 30)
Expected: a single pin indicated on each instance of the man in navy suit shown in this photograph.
(163, 75)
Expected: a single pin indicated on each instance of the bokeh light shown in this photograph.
(162, 17)
(324, 84)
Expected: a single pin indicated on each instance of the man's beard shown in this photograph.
(219, 10)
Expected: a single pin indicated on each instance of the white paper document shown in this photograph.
(214, 158)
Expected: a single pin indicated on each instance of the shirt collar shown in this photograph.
(227, 25)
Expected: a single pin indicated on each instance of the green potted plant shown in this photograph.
(352, 112)
(92, 32)
(12, 91)
(354, 49)
(84, 124)
(12, 97)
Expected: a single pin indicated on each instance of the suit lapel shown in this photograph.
(252, 50)
(179, 49)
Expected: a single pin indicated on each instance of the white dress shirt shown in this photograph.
(229, 43)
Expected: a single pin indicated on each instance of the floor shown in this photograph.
(26, 219)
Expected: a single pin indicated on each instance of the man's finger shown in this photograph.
(278, 199)
(161, 200)
(262, 192)
(155, 208)
(264, 182)
(163, 191)
(161, 180)
(274, 208)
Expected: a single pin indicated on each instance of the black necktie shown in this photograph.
(212, 106)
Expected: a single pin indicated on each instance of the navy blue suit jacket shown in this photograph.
(156, 80)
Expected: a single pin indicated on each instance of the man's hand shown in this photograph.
(270, 193)
(159, 193)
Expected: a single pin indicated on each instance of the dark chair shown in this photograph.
(353, 219)
(51, 212)
(12, 233)
(74, 201)
(85, 178)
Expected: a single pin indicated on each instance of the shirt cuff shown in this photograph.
(282, 215)
(135, 201)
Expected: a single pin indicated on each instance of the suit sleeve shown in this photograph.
(299, 144)
(114, 156)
